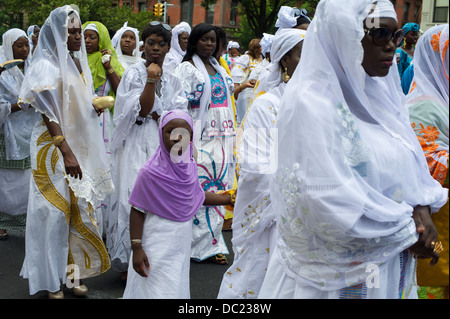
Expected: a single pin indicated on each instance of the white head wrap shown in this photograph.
(286, 18)
(266, 43)
(283, 42)
(125, 60)
(233, 44)
(350, 168)
(175, 49)
(92, 27)
(431, 73)
(55, 87)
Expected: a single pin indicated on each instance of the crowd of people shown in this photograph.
(323, 147)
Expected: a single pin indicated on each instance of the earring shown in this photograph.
(285, 76)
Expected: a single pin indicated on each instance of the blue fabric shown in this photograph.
(407, 78)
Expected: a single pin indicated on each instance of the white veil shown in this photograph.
(55, 87)
(350, 166)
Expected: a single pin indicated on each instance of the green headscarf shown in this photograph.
(95, 59)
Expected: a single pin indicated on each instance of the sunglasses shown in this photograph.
(382, 36)
(165, 26)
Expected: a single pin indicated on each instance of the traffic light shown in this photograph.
(162, 7)
(158, 9)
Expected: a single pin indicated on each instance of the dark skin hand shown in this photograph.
(155, 51)
(423, 248)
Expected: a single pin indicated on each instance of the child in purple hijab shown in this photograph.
(164, 199)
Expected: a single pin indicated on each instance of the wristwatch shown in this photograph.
(151, 80)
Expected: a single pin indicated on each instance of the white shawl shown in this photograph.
(350, 166)
(54, 86)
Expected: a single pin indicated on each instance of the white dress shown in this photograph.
(167, 245)
(132, 146)
(254, 229)
(215, 160)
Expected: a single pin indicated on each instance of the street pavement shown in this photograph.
(205, 277)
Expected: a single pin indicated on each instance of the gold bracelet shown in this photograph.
(57, 140)
(111, 70)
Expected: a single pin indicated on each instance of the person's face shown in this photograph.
(206, 45)
(128, 42)
(234, 52)
(156, 49)
(35, 36)
(91, 40)
(183, 40)
(378, 59)
(177, 136)
(21, 48)
(74, 39)
(411, 37)
(291, 60)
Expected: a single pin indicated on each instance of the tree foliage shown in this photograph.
(90, 10)
(259, 16)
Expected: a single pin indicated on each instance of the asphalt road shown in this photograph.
(205, 277)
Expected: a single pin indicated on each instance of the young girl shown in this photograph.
(143, 94)
(165, 197)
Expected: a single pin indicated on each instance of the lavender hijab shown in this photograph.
(165, 188)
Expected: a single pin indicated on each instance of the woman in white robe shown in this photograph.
(209, 89)
(352, 190)
(68, 160)
(135, 137)
(178, 45)
(254, 229)
(126, 41)
(16, 125)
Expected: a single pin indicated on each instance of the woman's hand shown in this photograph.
(98, 111)
(107, 64)
(424, 247)
(70, 161)
(140, 261)
(154, 71)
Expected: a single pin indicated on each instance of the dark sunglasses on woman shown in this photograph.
(382, 36)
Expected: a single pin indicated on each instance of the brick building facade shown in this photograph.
(223, 13)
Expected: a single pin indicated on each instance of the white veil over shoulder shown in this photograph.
(55, 87)
(350, 166)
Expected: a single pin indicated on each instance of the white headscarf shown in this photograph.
(266, 43)
(286, 18)
(283, 42)
(350, 168)
(53, 85)
(431, 73)
(232, 44)
(16, 126)
(175, 49)
(126, 60)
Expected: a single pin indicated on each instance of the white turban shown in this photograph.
(232, 44)
(283, 42)
(286, 18)
(266, 43)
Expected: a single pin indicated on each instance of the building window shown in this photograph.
(406, 11)
(233, 12)
(142, 6)
(440, 13)
(184, 10)
(210, 14)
